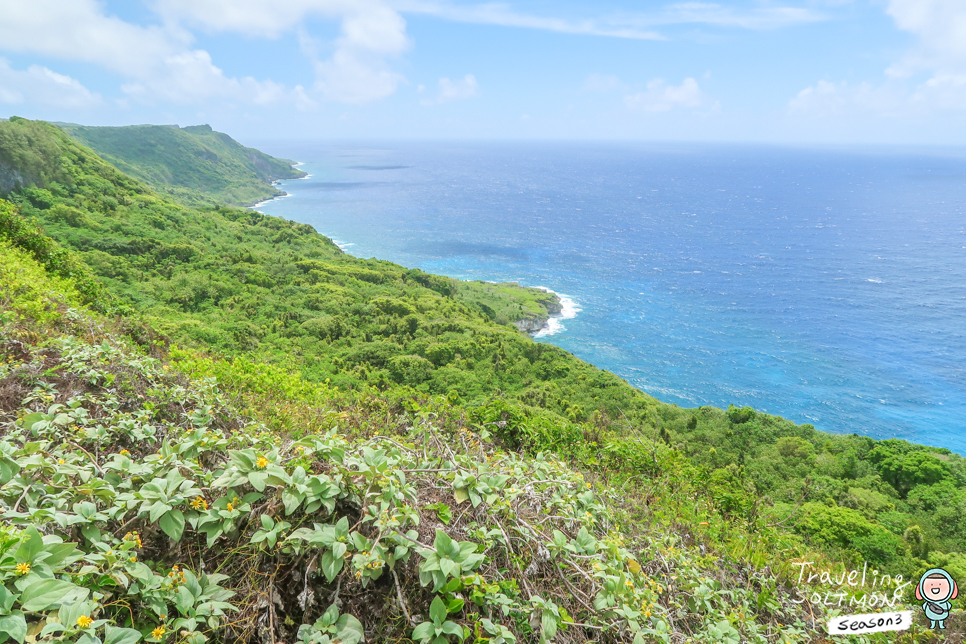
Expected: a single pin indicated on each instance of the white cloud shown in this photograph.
(941, 27)
(357, 71)
(503, 15)
(636, 25)
(930, 78)
(347, 77)
(716, 15)
(454, 91)
(41, 86)
(661, 97)
(78, 30)
(602, 83)
(826, 99)
(157, 61)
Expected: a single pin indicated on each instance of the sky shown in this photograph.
(775, 71)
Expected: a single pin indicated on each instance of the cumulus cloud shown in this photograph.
(930, 77)
(455, 90)
(41, 86)
(941, 27)
(157, 62)
(661, 97)
(358, 69)
(79, 30)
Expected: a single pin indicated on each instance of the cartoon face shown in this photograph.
(936, 588)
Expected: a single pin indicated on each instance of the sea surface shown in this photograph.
(827, 286)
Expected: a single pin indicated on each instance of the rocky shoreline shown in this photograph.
(535, 324)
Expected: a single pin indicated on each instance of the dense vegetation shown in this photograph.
(194, 165)
(303, 338)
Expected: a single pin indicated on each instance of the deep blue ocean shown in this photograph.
(827, 286)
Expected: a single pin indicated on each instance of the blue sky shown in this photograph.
(796, 71)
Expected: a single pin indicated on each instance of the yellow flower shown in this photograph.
(84, 621)
(261, 463)
(61, 461)
(22, 568)
(230, 506)
(199, 504)
(158, 632)
(125, 452)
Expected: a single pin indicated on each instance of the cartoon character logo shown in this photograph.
(936, 588)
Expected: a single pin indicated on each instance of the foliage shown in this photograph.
(194, 165)
(411, 416)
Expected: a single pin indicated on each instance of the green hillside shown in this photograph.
(194, 165)
(285, 338)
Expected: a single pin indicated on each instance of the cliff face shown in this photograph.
(533, 323)
(530, 325)
(10, 178)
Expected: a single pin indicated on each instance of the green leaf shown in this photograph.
(454, 605)
(359, 541)
(57, 552)
(7, 599)
(114, 635)
(424, 631)
(449, 567)
(8, 469)
(331, 566)
(257, 479)
(184, 601)
(43, 594)
(291, 500)
(549, 624)
(31, 419)
(159, 508)
(461, 495)
(452, 628)
(437, 611)
(14, 625)
(329, 617)
(349, 630)
(32, 544)
(442, 542)
(267, 522)
(173, 524)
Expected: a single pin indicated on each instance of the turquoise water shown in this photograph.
(826, 286)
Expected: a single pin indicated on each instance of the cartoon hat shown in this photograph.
(937, 571)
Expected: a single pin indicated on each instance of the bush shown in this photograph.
(410, 370)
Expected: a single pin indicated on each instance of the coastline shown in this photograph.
(538, 327)
(282, 194)
(552, 324)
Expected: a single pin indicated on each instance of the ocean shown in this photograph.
(824, 285)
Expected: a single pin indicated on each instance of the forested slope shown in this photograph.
(296, 332)
(193, 165)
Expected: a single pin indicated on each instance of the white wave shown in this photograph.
(278, 182)
(568, 311)
(341, 244)
(873, 280)
(262, 203)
